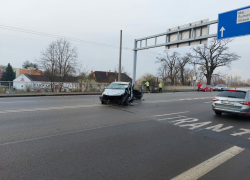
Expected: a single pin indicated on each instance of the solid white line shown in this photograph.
(48, 108)
(18, 102)
(208, 165)
(172, 113)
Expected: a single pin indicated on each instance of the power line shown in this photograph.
(69, 38)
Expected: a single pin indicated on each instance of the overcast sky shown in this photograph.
(101, 21)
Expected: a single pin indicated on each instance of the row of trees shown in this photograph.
(208, 57)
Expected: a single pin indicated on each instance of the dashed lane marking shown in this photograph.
(208, 102)
(172, 113)
(172, 100)
(208, 165)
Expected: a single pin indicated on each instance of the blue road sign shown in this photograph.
(234, 23)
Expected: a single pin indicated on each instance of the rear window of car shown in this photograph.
(233, 94)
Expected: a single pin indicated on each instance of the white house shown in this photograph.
(34, 82)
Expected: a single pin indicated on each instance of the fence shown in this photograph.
(19, 87)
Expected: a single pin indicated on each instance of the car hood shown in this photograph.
(113, 92)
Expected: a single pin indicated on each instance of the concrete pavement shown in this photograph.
(75, 137)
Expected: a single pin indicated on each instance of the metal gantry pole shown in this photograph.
(134, 65)
(120, 58)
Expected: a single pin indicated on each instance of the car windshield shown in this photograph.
(117, 86)
(218, 86)
(203, 86)
(233, 94)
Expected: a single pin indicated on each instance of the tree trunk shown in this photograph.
(182, 77)
(209, 75)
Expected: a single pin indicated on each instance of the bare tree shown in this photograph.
(171, 62)
(148, 77)
(59, 59)
(163, 72)
(213, 55)
(66, 60)
(123, 70)
(48, 63)
(182, 64)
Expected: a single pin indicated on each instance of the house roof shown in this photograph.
(46, 79)
(108, 77)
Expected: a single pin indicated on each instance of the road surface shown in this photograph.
(166, 136)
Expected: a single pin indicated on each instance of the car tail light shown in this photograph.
(245, 102)
(244, 111)
(214, 99)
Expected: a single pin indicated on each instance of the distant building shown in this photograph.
(2, 70)
(109, 77)
(233, 79)
(20, 71)
(34, 82)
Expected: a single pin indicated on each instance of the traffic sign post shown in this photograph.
(234, 23)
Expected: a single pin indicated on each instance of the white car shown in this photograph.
(220, 87)
(120, 93)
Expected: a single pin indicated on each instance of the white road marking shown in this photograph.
(217, 128)
(171, 118)
(172, 100)
(196, 125)
(18, 102)
(46, 109)
(180, 121)
(208, 102)
(208, 165)
(246, 131)
(172, 113)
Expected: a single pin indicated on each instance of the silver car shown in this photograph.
(219, 87)
(232, 101)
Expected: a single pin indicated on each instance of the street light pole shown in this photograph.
(120, 58)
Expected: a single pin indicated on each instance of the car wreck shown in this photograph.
(121, 93)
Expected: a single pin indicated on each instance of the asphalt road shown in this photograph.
(167, 135)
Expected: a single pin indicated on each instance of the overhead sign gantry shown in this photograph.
(231, 24)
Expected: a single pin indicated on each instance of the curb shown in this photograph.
(46, 94)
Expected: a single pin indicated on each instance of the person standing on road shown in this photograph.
(147, 85)
(160, 87)
(199, 86)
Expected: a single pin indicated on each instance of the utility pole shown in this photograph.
(120, 58)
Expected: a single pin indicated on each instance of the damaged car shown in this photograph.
(120, 93)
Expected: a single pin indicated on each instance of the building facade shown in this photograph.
(35, 82)
(233, 79)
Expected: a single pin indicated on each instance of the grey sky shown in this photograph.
(101, 21)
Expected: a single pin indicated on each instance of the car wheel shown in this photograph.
(218, 113)
(126, 102)
(205, 90)
(104, 102)
(210, 90)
